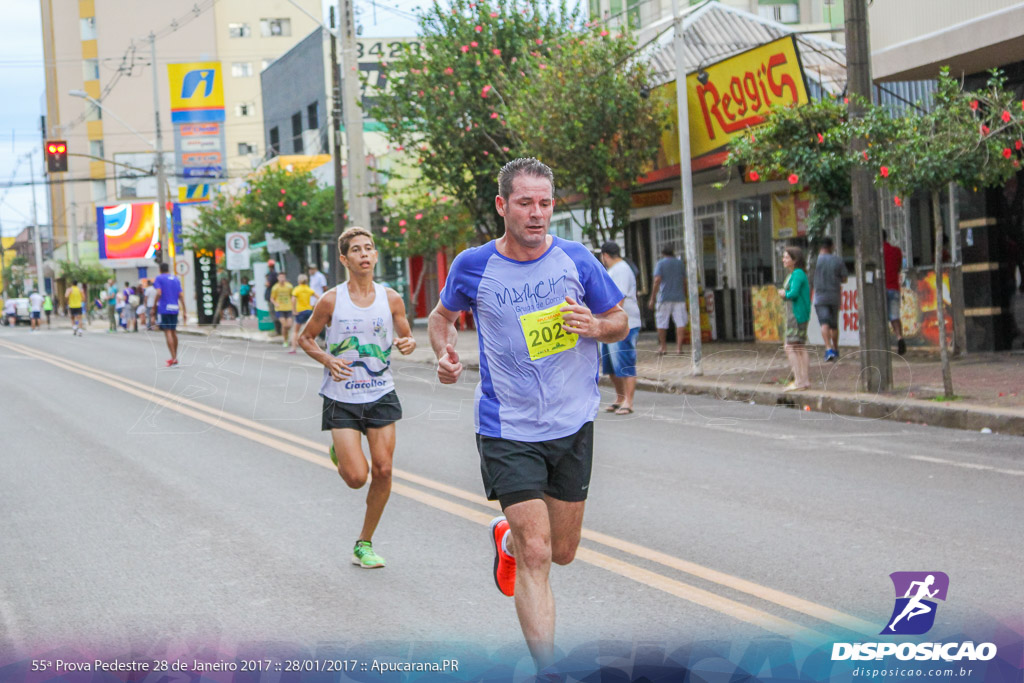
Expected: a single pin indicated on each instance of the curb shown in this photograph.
(955, 415)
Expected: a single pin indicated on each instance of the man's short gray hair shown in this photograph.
(522, 166)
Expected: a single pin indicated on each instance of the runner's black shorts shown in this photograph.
(362, 416)
(515, 471)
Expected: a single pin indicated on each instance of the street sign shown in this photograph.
(275, 245)
(237, 251)
(182, 268)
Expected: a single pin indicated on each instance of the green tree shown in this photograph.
(289, 204)
(444, 108)
(590, 119)
(215, 221)
(809, 145)
(968, 138)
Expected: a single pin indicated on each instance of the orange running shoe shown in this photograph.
(504, 564)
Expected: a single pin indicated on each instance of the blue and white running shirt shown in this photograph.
(519, 398)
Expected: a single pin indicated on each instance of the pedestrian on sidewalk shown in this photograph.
(618, 359)
(302, 297)
(281, 296)
(11, 312)
(358, 388)
(669, 291)
(538, 395)
(109, 298)
(797, 294)
(271, 283)
(244, 292)
(47, 309)
(131, 305)
(170, 304)
(35, 304)
(893, 257)
(223, 299)
(150, 303)
(829, 276)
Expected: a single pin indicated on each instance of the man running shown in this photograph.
(74, 299)
(303, 299)
(170, 304)
(358, 388)
(47, 309)
(281, 296)
(915, 607)
(541, 305)
(35, 303)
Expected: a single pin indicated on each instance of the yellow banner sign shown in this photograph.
(789, 214)
(197, 92)
(739, 92)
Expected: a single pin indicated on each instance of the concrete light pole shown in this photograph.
(686, 178)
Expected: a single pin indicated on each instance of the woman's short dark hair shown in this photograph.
(797, 254)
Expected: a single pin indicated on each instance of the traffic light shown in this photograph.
(158, 254)
(56, 156)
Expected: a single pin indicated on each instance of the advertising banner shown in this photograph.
(205, 268)
(127, 231)
(789, 214)
(197, 116)
(738, 94)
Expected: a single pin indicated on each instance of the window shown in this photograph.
(96, 148)
(241, 69)
(297, 133)
(275, 142)
(90, 69)
(99, 191)
(786, 14)
(239, 30)
(88, 28)
(275, 27)
(245, 148)
(312, 121)
(245, 109)
(265, 63)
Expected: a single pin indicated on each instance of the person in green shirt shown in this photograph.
(797, 294)
(47, 308)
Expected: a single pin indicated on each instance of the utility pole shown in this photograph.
(35, 228)
(686, 178)
(358, 205)
(161, 182)
(73, 236)
(876, 363)
(339, 188)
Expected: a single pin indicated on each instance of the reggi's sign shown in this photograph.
(739, 92)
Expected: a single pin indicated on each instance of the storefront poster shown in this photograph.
(769, 313)
(789, 214)
(708, 328)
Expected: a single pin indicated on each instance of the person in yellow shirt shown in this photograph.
(76, 301)
(281, 295)
(302, 305)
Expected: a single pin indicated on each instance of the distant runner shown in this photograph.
(170, 304)
(75, 300)
(362, 319)
(541, 305)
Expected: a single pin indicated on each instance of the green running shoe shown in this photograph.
(363, 556)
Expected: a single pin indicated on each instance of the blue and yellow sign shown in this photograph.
(193, 194)
(197, 92)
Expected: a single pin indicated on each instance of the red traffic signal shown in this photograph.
(56, 156)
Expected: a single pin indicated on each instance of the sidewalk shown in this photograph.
(990, 386)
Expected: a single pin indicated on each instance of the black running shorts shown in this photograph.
(514, 471)
(362, 416)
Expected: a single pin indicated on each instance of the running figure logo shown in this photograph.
(914, 612)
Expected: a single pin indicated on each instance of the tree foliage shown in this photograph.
(587, 119)
(809, 145)
(445, 108)
(289, 204)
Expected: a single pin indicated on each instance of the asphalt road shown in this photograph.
(197, 504)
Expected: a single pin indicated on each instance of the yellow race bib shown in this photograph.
(544, 334)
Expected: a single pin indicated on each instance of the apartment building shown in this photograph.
(105, 48)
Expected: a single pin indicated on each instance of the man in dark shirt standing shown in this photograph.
(893, 263)
(829, 276)
(271, 281)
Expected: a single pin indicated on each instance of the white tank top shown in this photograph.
(363, 337)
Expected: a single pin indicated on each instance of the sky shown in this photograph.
(23, 84)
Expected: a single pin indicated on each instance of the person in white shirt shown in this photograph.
(618, 360)
(150, 304)
(317, 282)
(35, 302)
